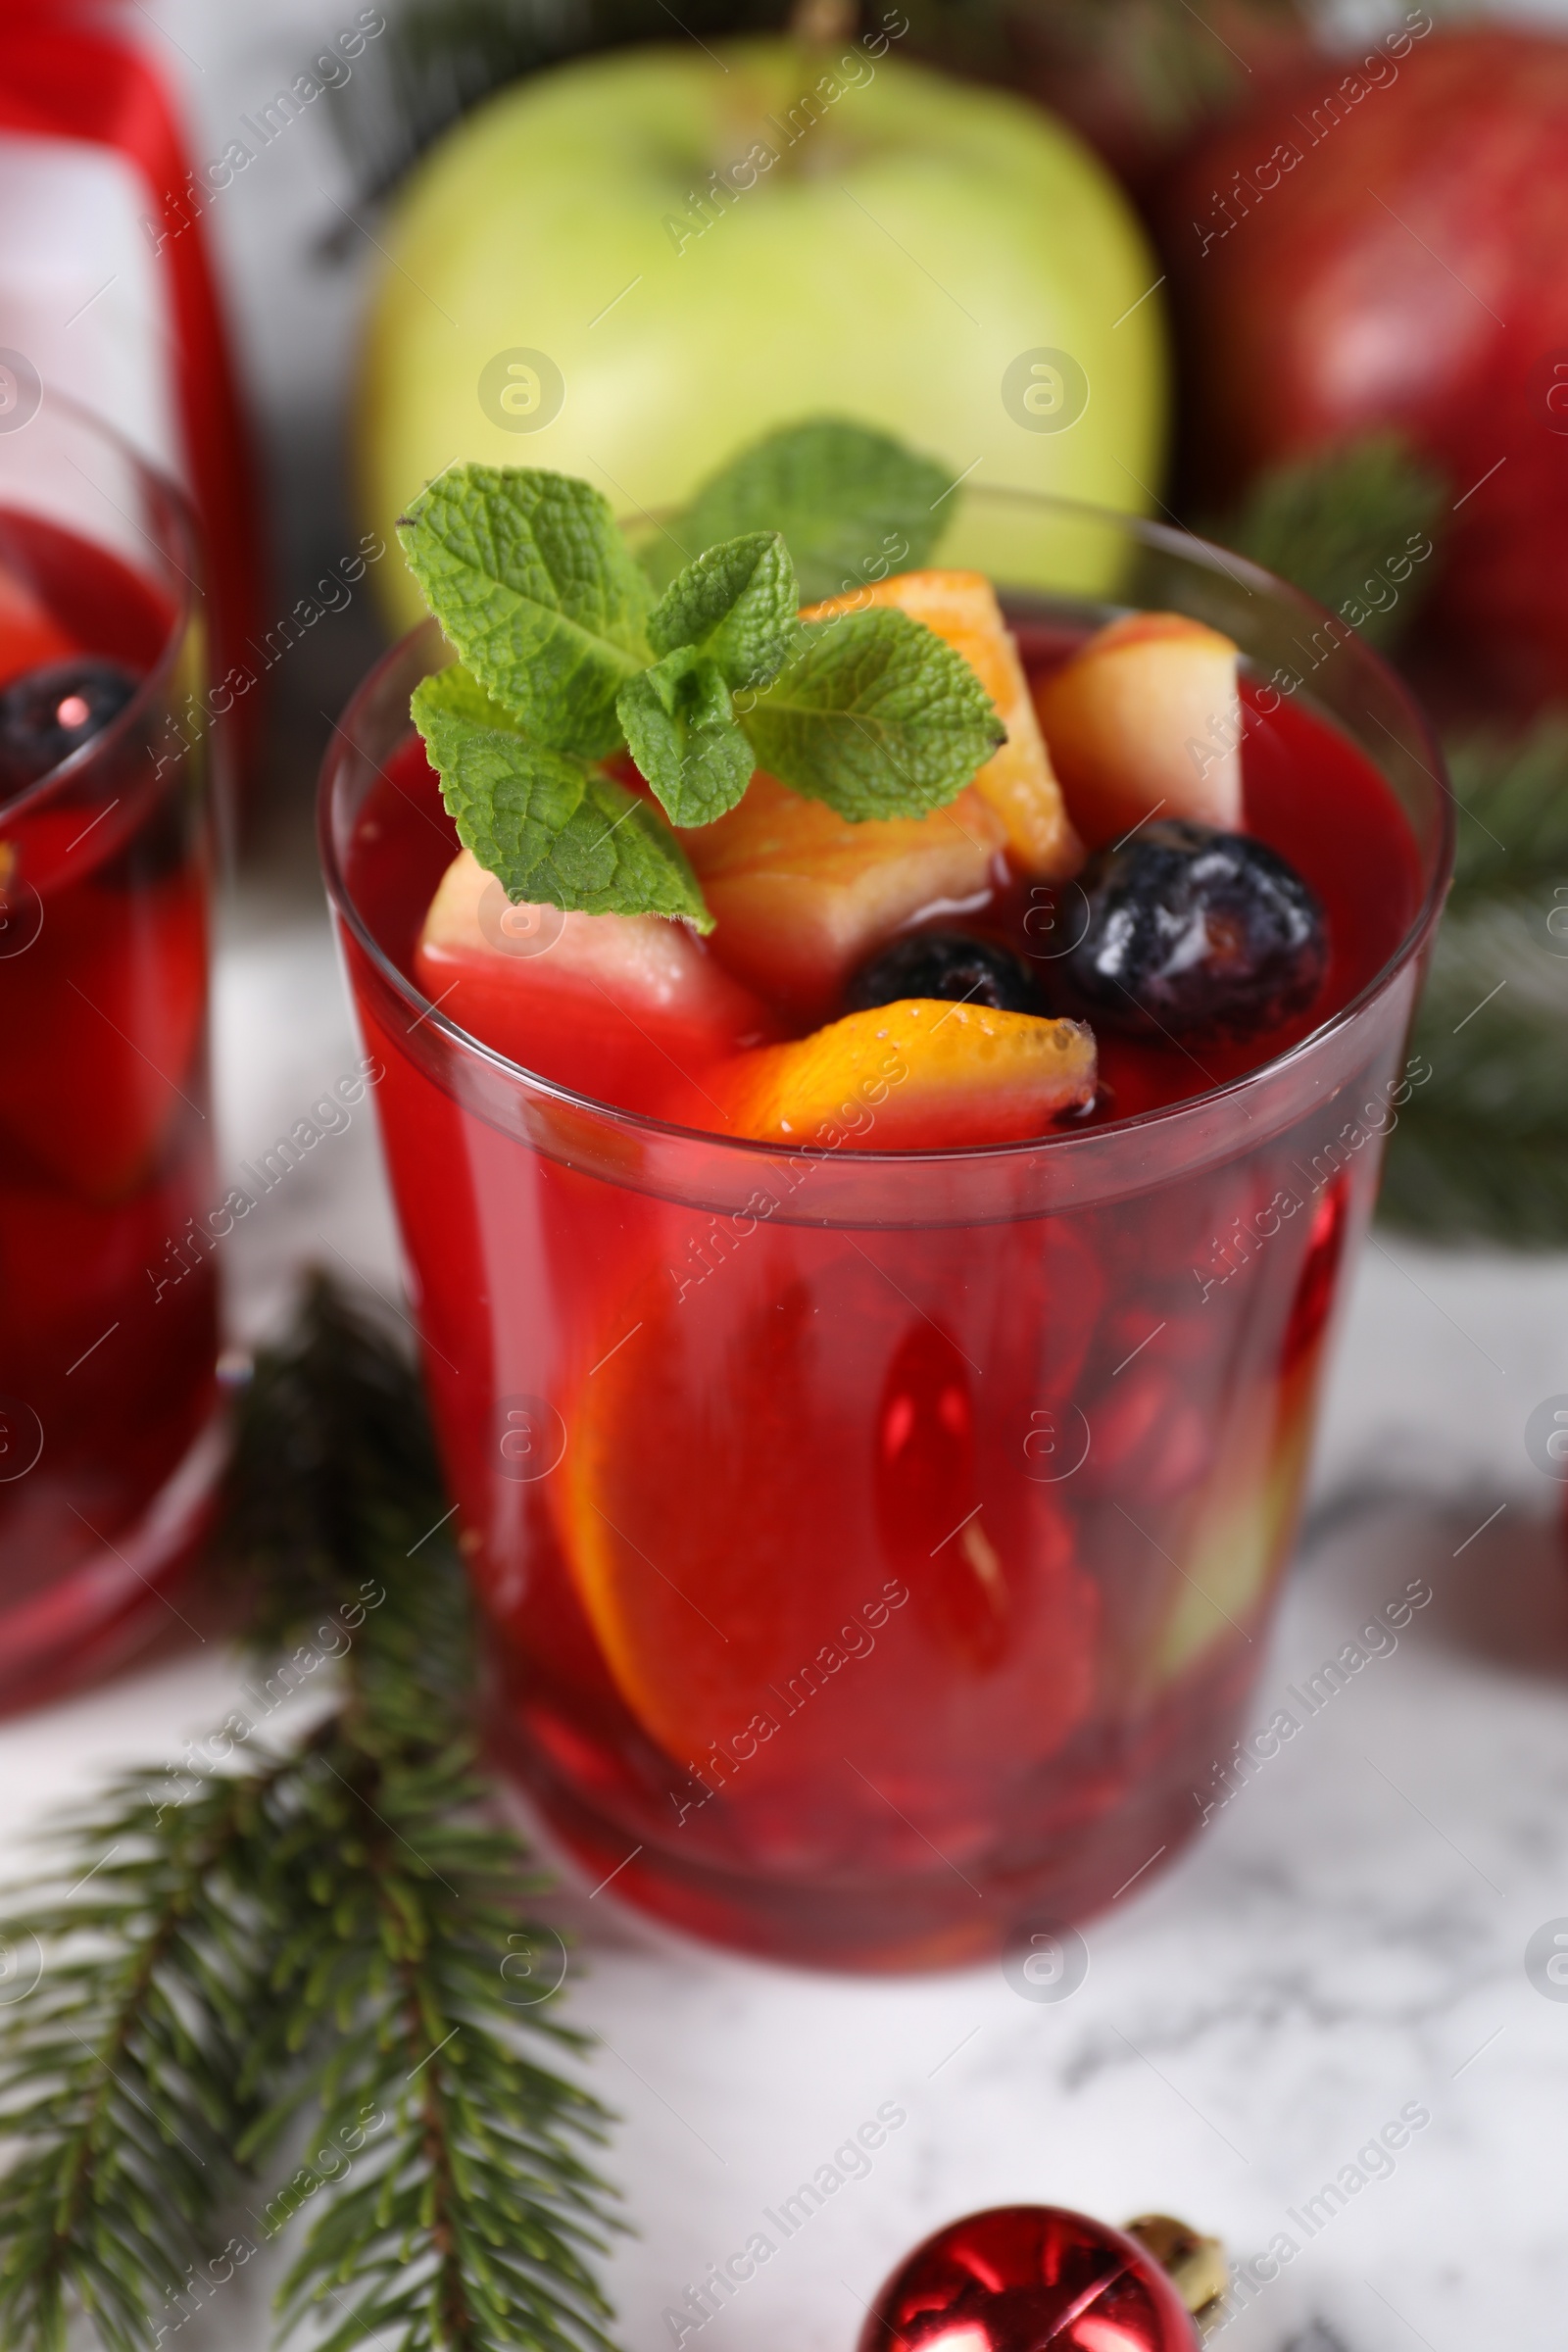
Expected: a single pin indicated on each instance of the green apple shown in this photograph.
(630, 266)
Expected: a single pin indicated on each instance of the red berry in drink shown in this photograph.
(51, 712)
(949, 965)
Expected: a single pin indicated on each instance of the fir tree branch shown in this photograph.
(1512, 800)
(118, 2069)
(339, 1933)
(470, 2219)
(1346, 527)
(1177, 65)
(1482, 1150)
(1444, 1180)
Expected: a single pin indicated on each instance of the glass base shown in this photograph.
(880, 1924)
(113, 1602)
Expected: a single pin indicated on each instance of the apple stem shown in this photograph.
(824, 24)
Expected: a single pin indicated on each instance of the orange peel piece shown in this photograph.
(915, 1074)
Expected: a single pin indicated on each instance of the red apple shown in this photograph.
(1384, 243)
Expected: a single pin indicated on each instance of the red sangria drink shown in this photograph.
(108, 1327)
(874, 1191)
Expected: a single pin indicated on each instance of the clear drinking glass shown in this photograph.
(876, 1546)
(107, 1319)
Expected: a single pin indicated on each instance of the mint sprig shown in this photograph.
(727, 622)
(846, 498)
(737, 604)
(565, 658)
(552, 829)
(876, 715)
(532, 582)
(679, 718)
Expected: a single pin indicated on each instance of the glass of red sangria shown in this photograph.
(874, 1343)
(108, 1322)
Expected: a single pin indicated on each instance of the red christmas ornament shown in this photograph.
(1024, 2278)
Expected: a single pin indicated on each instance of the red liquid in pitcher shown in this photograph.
(862, 1595)
(105, 1148)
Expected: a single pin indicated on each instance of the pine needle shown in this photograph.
(1348, 527)
(138, 1974)
(1512, 799)
(1482, 1150)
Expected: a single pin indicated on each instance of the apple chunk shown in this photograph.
(1145, 718)
(611, 1004)
(1018, 783)
(800, 896)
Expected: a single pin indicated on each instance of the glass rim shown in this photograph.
(163, 492)
(1167, 539)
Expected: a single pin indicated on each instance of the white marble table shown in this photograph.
(1346, 1943)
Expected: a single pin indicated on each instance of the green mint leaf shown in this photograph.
(531, 581)
(853, 502)
(737, 604)
(679, 723)
(877, 717)
(551, 828)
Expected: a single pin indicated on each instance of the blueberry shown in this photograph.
(53, 712)
(949, 965)
(1195, 933)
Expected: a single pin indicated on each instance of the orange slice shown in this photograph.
(796, 1522)
(1145, 720)
(1018, 783)
(918, 1073)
